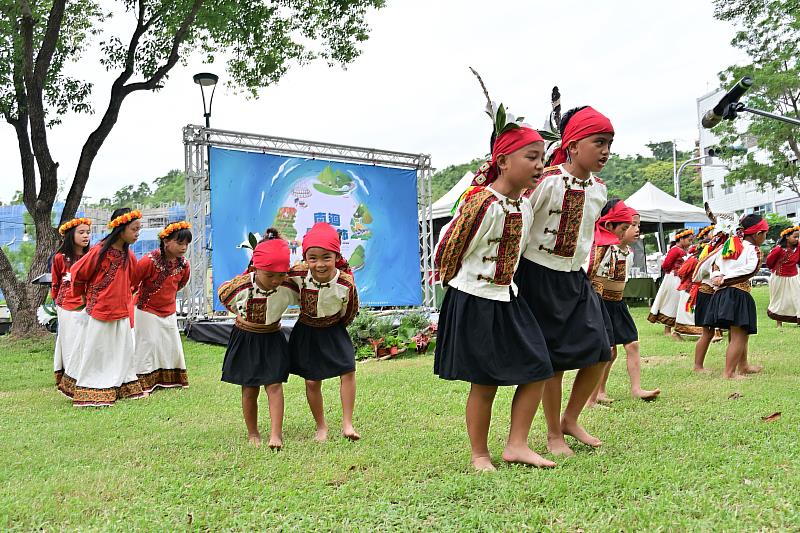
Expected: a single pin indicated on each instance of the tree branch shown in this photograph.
(119, 91)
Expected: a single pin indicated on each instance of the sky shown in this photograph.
(642, 63)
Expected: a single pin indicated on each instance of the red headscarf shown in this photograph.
(619, 213)
(272, 255)
(761, 226)
(506, 143)
(588, 121)
(322, 235)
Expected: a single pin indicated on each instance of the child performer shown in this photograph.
(610, 270)
(69, 309)
(258, 354)
(488, 336)
(319, 346)
(732, 306)
(665, 304)
(784, 284)
(104, 278)
(701, 292)
(566, 203)
(160, 275)
(684, 314)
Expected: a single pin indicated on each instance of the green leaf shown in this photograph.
(500, 119)
(253, 241)
(549, 136)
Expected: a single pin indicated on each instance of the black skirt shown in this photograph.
(622, 325)
(701, 308)
(255, 359)
(732, 307)
(320, 353)
(488, 342)
(569, 313)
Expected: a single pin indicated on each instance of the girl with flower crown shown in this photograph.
(488, 336)
(665, 305)
(69, 309)
(784, 285)
(104, 280)
(159, 276)
(732, 305)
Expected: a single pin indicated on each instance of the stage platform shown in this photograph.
(219, 331)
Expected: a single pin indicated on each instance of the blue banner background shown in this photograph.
(375, 208)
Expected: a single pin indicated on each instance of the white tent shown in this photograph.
(654, 205)
(444, 205)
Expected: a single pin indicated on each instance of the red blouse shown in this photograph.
(159, 283)
(106, 285)
(783, 262)
(674, 259)
(61, 289)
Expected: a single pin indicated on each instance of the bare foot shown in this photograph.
(646, 395)
(716, 339)
(752, 369)
(558, 446)
(350, 433)
(604, 399)
(483, 463)
(701, 370)
(275, 443)
(526, 456)
(677, 336)
(255, 439)
(576, 430)
(322, 434)
(597, 406)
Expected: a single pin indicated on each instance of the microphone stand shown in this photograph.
(732, 111)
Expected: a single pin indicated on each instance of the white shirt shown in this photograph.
(259, 306)
(706, 267)
(565, 210)
(611, 258)
(490, 259)
(744, 265)
(327, 299)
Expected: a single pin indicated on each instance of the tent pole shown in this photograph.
(660, 237)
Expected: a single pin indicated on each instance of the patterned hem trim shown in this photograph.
(86, 397)
(683, 329)
(783, 318)
(58, 375)
(165, 378)
(319, 322)
(65, 384)
(662, 319)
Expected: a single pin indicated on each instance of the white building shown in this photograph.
(742, 198)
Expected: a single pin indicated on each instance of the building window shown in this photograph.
(709, 191)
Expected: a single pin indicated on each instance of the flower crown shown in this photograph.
(789, 231)
(684, 233)
(66, 226)
(705, 231)
(172, 228)
(128, 217)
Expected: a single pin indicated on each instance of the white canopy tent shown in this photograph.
(444, 205)
(654, 205)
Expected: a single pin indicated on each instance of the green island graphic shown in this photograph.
(334, 182)
(358, 224)
(284, 222)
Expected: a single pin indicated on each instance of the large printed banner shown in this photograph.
(374, 209)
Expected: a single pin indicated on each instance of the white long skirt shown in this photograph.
(684, 320)
(69, 344)
(665, 305)
(784, 298)
(159, 359)
(106, 372)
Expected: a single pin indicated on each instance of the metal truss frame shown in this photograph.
(197, 140)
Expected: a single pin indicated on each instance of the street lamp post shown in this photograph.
(206, 79)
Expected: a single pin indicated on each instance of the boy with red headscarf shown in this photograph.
(258, 354)
(616, 230)
(566, 203)
(488, 336)
(732, 305)
(320, 347)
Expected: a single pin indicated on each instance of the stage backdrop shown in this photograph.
(374, 209)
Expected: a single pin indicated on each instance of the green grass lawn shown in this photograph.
(694, 460)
